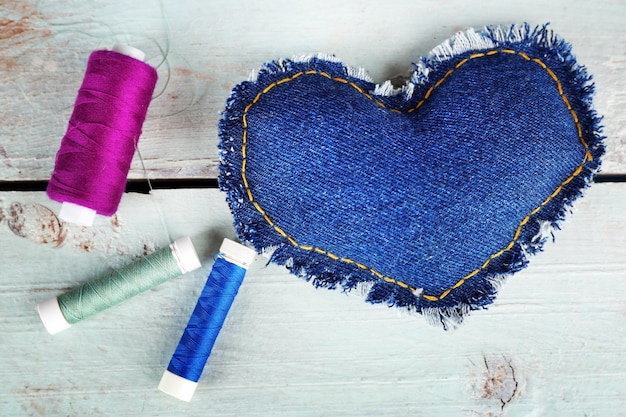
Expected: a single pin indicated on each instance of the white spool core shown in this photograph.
(74, 213)
(237, 253)
(52, 316)
(130, 51)
(185, 254)
(177, 386)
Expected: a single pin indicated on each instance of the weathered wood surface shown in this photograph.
(552, 345)
(210, 47)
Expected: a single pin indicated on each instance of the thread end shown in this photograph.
(51, 316)
(185, 254)
(76, 214)
(177, 386)
(238, 253)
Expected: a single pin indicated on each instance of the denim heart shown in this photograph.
(427, 195)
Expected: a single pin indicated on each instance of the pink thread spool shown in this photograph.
(92, 164)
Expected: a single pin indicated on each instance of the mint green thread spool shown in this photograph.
(61, 312)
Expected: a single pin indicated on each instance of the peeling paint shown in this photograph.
(37, 223)
(496, 383)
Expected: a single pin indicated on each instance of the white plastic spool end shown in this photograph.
(129, 51)
(52, 316)
(76, 214)
(238, 253)
(177, 386)
(185, 254)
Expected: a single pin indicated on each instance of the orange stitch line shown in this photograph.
(278, 229)
(461, 63)
(560, 87)
(357, 88)
(440, 81)
(459, 283)
(557, 191)
(471, 274)
(575, 116)
(378, 274)
(540, 62)
(268, 88)
(380, 104)
(552, 74)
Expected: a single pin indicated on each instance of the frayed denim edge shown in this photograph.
(323, 272)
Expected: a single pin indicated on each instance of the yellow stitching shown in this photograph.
(268, 88)
(518, 230)
(461, 63)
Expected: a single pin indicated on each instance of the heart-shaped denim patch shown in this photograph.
(425, 196)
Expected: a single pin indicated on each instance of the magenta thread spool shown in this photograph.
(92, 164)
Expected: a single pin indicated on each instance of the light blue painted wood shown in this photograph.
(553, 343)
(288, 349)
(213, 46)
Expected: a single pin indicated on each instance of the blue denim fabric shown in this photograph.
(430, 197)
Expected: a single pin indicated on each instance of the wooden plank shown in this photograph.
(211, 48)
(552, 344)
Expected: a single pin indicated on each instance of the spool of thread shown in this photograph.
(95, 155)
(185, 368)
(60, 312)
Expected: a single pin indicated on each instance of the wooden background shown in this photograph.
(553, 344)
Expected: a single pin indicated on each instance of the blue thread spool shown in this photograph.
(59, 313)
(181, 377)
